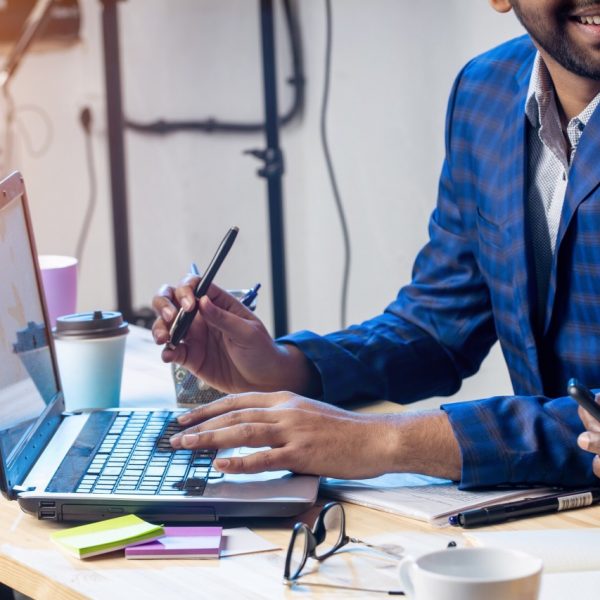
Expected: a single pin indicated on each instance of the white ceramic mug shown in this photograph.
(472, 574)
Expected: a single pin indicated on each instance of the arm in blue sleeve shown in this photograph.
(436, 332)
(520, 440)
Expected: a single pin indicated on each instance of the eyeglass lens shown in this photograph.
(297, 553)
(333, 526)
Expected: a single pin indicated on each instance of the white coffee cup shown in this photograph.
(90, 349)
(472, 574)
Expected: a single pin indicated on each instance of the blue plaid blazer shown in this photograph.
(474, 283)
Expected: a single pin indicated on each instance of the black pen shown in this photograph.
(184, 319)
(529, 507)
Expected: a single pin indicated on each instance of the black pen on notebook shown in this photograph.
(184, 319)
(530, 507)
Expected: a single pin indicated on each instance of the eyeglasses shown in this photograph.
(326, 537)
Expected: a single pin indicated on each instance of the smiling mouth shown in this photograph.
(588, 20)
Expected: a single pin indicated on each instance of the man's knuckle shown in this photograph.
(286, 457)
(229, 401)
(208, 438)
(247, 431)
(234, 417)
(268, 461)
(196, 413)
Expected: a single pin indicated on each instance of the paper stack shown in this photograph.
(419, 496)
(105, 536)
(181, 542)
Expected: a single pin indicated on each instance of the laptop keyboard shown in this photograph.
(135, 457)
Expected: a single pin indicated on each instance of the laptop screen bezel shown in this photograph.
(32, 444)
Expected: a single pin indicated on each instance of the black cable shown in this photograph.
(297, 79)
(85, 118)
(329, 163)
(212, 125)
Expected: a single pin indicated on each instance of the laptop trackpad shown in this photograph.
(244, 452)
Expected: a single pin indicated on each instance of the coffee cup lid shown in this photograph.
(91, 325)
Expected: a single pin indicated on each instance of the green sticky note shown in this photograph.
(106, 536)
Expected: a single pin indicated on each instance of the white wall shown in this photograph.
(393, 65)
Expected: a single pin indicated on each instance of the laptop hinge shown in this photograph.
(23, 488)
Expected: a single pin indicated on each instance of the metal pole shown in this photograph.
(116, 154)
(273, 170)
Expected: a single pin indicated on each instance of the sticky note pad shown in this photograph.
(105, 536)
(181, 542)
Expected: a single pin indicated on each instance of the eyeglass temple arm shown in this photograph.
(344, 587)
(397, 552)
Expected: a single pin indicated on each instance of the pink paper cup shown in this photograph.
(59, 278)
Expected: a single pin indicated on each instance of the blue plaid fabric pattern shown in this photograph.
(474, 282)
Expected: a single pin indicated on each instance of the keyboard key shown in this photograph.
(112, 471)
(110, 480)
(194, 483)
(177, 470)
(158, 471)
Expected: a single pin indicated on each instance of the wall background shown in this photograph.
(392, 68)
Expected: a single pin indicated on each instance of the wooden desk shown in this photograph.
(31, 564)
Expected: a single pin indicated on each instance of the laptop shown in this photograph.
(89, 466)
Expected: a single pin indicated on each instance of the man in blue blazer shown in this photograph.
(514, 255)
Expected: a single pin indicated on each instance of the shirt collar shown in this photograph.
(542, 112)
(540, 96)
(539, 85)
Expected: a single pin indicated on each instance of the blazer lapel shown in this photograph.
(520, 259)
(583, 179)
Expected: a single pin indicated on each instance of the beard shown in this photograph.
(552, 35)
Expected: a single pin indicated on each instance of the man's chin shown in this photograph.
(581, 62)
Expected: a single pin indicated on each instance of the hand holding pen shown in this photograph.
(187, 385)
(184, 319)
(229, 347)
(247, 299)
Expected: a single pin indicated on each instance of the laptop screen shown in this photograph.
(28, 383)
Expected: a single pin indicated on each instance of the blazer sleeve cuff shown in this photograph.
(342, 376)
